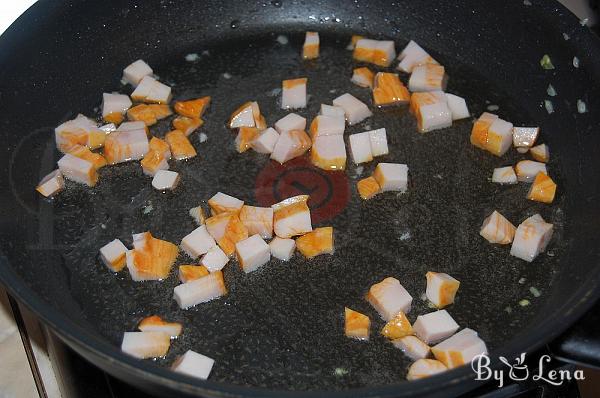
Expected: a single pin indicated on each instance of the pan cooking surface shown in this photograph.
(282, 326)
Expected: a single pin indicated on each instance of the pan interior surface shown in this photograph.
(282, 326)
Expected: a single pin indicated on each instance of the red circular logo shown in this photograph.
(328, 190)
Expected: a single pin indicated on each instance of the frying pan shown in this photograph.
(279, 332)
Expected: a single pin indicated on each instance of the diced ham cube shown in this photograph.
(368, 187)
(223, 203)
(215, 259)
(524, 137)
(499, 137)
(123, 146)
(527, 170)
(378, 52)
(259, 120)
(156, 144)
(207, 288)
(531, 238)
(113, 255)
(159, 93)
(227, 230)
(114, 107)
(244, 138)
(458, 106)
(504, 175)
(247, 115)
(329, 152)
(459, 349)
(397, 327)
(363, 77)
(392, 176)
(79, 131)
(543, 189)
(192, 108)
(317, 242)
(412, 347)
(265, 141)
(197, 213)
(424, 368)
(130, 126)
(428, 77)
(389, 90)
(434, 117)
(188, 272)
(242, 117)
(291, 121)
(154, 161)
(193, 364)
(356, 325)
(139, 240)
(293, 95)
(310, 49)
(497, 229)
(151, 90)
(441, 288)
(378, 140)
(258, 220)
(252, 253)
(96, 138)
(186, 124)
(151, 258)
(290, 145)
(217, 225)
(334, 111)
(417, 100)
(78, 170)
(435, 326)
(291, 217)
(198, 242)
(157, 157)
(181, 147)
(165, 180)
(282, 249)
(413, 55)
(479, 133)
(84, 153)
(353, 41)
(146, 344)
(155, 323)
(327, 125)
(135, 72)
(356, 111)
(389, 297)
(360, 147)
(541, 153)
(51, 184)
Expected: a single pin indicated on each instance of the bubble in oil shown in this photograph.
(235, 24)
(276, 3)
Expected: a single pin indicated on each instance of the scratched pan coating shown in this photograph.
(282, 326)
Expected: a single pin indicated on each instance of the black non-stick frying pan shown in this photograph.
(279, 331)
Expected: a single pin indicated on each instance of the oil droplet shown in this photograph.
(235, 24)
